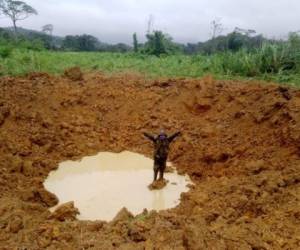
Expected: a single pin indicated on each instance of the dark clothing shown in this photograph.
(161, 151)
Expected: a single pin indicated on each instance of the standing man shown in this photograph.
(161, 150)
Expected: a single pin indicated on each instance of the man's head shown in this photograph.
(162, 135)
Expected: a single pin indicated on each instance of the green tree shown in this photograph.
(235, 41)
(135, 43)
(16, 11)
(294, 49)
(70, 43)
(159, 43)
(87, 43)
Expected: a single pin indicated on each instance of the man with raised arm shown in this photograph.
(161, 150)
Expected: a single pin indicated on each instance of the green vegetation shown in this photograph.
(239, 54)
(159, 44)
(135, 43)
(271, 62)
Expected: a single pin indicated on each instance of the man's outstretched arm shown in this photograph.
(150, 137)
(172, 137)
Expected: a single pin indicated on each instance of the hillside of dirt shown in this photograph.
(240, 144)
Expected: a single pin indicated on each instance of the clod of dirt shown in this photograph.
(74, 74)
(39, 195)
(285, 92)
(4, 113)
(123, 215)
(196, 107)
(48, 233)
(65, 212)
(38, 75)
(15, 223)
(255, 167)
(157, 185)
(48, 198)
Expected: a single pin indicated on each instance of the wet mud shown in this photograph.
(159, 184)
(240, 145)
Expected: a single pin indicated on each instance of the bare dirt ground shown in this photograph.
(240, 145)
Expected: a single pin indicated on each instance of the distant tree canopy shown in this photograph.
(233, 41)
(30, 36)
(157, 43)
(16, 11)
(91, 43)
(119, 47)
(80, 43)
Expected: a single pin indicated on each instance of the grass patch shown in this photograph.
(268, 63)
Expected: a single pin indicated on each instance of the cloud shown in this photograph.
(186, 21)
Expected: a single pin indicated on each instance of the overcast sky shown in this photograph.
(185, 20)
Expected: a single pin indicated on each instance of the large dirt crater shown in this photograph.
(240, 146)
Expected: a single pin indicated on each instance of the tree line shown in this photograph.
(157, 43)
(19, 10)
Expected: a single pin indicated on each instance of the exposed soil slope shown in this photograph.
(240, 145)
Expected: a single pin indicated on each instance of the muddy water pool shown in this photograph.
(103, 184)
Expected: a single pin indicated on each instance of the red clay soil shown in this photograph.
(240, 145)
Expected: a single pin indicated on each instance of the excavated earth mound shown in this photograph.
(240, 145)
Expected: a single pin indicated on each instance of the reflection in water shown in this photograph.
(103, 184)
(158, 200)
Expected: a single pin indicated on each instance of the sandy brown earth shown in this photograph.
(240, 145)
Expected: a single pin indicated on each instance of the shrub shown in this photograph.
(5, 51)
